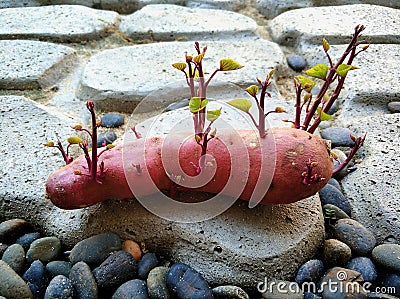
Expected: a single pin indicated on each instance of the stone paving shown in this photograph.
(63, 48)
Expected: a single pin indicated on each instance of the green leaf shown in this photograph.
(344, 68)
(49, 144)
(212, 115)
(252, 90)
(306, 83)
(228, 64)
(74, 140)
(179, 65)
(322, 115)
(196, 104)
(326, 45)
(198, 58)
(319, 71)
(241, 104)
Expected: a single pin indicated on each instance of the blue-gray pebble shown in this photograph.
(26, 240)
(365, 266)
(334, 182)
(14, 256)
(308, 295)
(312, 270)
(3, 248)
(55, 268)
(391, 282)
(60, 287)
(356, 236)
(95, 249)
(394, 107)
(37, 279)
(45, 249)
(135, 288)
(296, 62)
(106, 138)
(146, 264)
(177, 105)
(331, 195)
(83, 280)
(387, 256)
(187, 283)
(112, 120)
(118, 268)
(157, 285)
(338, 136)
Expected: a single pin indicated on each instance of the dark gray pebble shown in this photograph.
(147, 263)
(12, 286)
(229, 292)
(340, 159)
(331, 195)
(365, 266)
(336, 253)
(112, 120)
(390, 240)
(394, 107)
(14, 256)
(344, 281)
(356, 236)
(118, 268)
(45, 249)
(3, 248)
(334, 213)
(177, 105)
(312, 270)
(26, 240)
(135, 288)
(296, 62)
(60, 287)
(96, 249)
(83, 280)
(187, 283)
(37, 279)
(391, 283)
(156, 283)
(338, 136)
(55, 268)
(334, 182)
(106, 138)
(12, 229)
(387, 256)
(308, 295)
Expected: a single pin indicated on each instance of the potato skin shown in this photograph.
(293, 149)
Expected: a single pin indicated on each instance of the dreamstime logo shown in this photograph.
(339, 285)
(157, 160)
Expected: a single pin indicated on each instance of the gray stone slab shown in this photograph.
(33, 64)
(61, 23)
(172, 22)
(272, 8)
(336, 23)
(373, 189)
(118, 79)
(369, 89)
(240, 246)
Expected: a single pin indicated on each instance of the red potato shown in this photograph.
(292, 179)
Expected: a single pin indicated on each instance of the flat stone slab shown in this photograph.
(61, 23)
(240, 246)
(272, 8)
(336, 23)
(33, 64)
(118, 79)
(364, 97)
(373, 189)
(172, 22)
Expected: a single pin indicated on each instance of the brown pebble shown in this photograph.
(133, 248)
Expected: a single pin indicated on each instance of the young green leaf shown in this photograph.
(322, 115)
(270, 74)
(196, 104)
(179, 65)
(252, 90)
(343, 69)
(319, 71)
(198, 58)
(74, 140)
(228, 64)
(49, 144)
(326, 45)
(241, 104)
(212, 115)
(306, 83)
